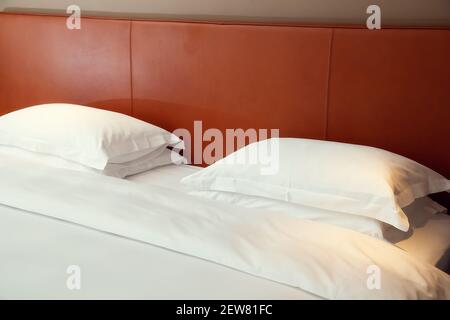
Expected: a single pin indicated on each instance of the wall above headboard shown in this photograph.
(394, 12)
(388, 88)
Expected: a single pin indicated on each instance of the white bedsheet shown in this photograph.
(35, 252)
(430, 243)
(325, 260)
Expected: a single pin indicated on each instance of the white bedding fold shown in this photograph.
(328, 261)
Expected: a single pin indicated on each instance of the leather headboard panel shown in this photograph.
(391, 89)
(231, 76)
(41, 61)
(388, 88)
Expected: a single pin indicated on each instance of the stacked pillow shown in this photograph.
(88, 139)
(336, 178)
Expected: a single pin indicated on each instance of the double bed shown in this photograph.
(37, 250)
(145, 234)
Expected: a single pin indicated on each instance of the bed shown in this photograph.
(431, 242)
(118, 268)
(114, 267)
(327, 83)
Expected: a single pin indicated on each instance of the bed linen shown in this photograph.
(356, 179)
(430, 242)
(160, 157)
(35, 252)
(291, 251)
(88, 136)
(171, 176)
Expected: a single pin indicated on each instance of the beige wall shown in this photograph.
(394, 12)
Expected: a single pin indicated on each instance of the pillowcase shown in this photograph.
(89, 136)
(361, 224)
(419, 213)
(422, 208)
(334, 176)
(160, 157)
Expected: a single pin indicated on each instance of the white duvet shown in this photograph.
(328, 261)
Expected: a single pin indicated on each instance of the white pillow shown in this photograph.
(361, 224)
(334, 176)
(423, 208)
(160, 157)
(89, 136)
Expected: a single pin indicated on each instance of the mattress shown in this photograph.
(430, 243)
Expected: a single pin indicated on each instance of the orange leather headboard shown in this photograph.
(391, 89)
(388, 88)
(41, 61)
(231, 76)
